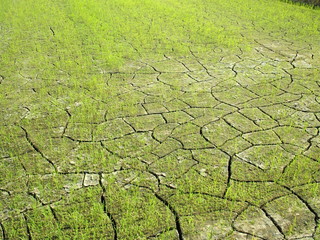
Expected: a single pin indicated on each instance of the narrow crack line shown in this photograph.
(27, 227)
(210, 195)
(168, 153)
(238, 215)
(154, 69)
(165, 83)
(266, 113)
(83, 178)
(83, 172)
(311, 138)
(1, 78)
(230, 124)
(312, 91)
(3, 230)
(245, 116)
(192, 53)
(293, 59)
(184, 65)
(160, 232)
(105, 209)
(166, 56)
(154, 138)
(246, 87)
(53, 212)
(299, 110)
(229, 104)
(34, 195)
(228, 176)
(275, 223)
(68, 112)
(200, 63)
(290, 75)
(51, 29)
(170, 186)
(204, 137)
(250, 234)
(179, 141)
(164, 118)
(233, 70)
(110, 151)
(6, 191)
(156, 176)
(144, 108)
(270, 49)
(251, 163)
(134, 48)
(287, 165)
(273, 199)
(79, 140)
(130, 125)
(314, 212)
(65, 129)
(186, 171)
(37, 149)
(183, 110)
(253, 181)
(308, 183)
(175, 213)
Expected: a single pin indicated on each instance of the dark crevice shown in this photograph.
(175, 213)
(290, 75)
(251, 163)
(251, 234)
(1, 78)
(160, 233)
(229, 176)
(27, 227)
(252, 181)
(212, 195)
(53, 33)
(37, 149)
(4, 234)
(275, 223)
(184, 65)
(156, 176)
(65, 129)
(234, 70)
(310, 140)
(292, 61)
(79, 140)
(204, 137)
(316, 216)
(200, 63)
(54, 214)
(105, 209)
(34, 195)
(6, 191)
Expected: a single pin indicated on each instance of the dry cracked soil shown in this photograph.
(223, 145)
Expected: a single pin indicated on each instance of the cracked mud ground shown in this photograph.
(223, 145)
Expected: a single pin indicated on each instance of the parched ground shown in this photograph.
(222, 145)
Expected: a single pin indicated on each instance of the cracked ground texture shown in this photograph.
(222, 145)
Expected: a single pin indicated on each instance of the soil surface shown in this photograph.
(223, 145)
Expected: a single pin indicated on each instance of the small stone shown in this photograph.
(91, 180)
(203, 172)
(162, 174)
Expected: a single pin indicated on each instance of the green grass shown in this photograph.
(149, 119)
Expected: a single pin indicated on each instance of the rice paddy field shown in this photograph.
(149, 119)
